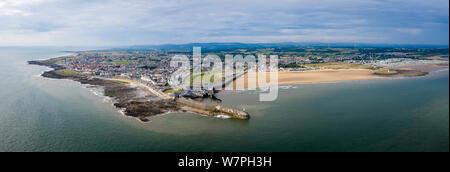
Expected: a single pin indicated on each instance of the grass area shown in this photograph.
(123, 82)
(58, 59)
(170, 91)
(338, 65)
(122, 62)
(386, 71)
(67, 72)
(208, 74)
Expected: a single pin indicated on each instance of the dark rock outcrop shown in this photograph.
(144, 109)
(404, 73)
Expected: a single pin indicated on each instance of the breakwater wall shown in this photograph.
(211, 110)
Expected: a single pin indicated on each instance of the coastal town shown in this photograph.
(150, 70)
(152, 67)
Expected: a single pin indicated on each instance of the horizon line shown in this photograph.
(245, 43)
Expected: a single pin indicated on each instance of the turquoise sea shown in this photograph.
(38, 114)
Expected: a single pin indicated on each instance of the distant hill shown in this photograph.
(227, 46)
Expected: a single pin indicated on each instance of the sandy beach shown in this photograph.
(315, 76)
(332, 75)
(325, 76)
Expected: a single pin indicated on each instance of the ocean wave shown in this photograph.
(286, 87)
(223, 116)
(122, 111)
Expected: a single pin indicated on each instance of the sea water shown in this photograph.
(40, 114)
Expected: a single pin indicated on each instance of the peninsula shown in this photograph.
(156, 102)
(125, 74)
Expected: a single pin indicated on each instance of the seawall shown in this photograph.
(211, 110)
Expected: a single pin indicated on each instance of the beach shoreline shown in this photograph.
(341, 75)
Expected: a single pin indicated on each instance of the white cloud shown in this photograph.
(16, 7)
(411, 31)
(118, 22)
(18, 3)
(293, 38)
(13, 12)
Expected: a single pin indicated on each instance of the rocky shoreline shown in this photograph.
(126, 97)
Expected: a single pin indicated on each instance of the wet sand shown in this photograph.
(316, 76)
(331, 75)
(325, 76)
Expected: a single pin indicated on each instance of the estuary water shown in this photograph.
(39, 114)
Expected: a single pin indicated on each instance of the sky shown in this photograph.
(152, 22)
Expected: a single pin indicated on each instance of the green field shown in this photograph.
(209, 75)
(386, 71)
(59, 59)
(123, 82)
(67, 72)
(122, 62)
(169, 91)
